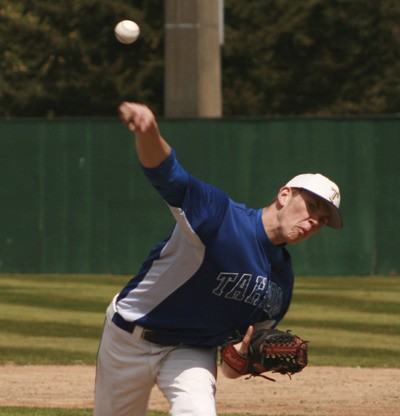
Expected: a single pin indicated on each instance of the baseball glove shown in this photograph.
(270, 350)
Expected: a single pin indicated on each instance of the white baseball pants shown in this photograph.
(128, 369)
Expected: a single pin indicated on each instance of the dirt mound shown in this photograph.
(316, 391)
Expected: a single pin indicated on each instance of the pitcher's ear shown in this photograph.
(284, 195)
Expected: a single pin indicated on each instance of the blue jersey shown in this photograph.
(216, 274)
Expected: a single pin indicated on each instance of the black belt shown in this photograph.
(147, 334)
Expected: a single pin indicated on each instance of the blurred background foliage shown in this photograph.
(279, 57)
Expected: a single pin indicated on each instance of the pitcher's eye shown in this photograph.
(323, 220)
(312, 206)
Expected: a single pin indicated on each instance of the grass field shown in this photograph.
(55, 319)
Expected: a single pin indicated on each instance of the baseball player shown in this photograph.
(222, 271)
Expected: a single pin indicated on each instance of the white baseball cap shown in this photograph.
(324, 188)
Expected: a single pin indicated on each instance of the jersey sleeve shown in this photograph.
(170, 179)
(202, 205)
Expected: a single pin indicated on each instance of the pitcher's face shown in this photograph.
(302, 215)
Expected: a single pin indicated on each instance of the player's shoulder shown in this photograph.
(243, 208)
(207, 191)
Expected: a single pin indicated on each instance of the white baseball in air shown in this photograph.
(127, 31)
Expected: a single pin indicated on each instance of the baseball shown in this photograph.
(127, 31)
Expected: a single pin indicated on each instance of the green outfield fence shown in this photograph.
(74, 199)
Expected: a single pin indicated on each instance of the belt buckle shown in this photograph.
(139, 332)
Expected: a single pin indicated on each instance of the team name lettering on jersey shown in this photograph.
(262, 293)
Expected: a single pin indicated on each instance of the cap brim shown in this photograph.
(335, 220)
